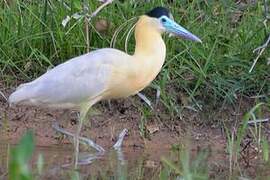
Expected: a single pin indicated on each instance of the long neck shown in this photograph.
(149, 42)
(150, 52)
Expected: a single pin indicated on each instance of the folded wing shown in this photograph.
(71, 83)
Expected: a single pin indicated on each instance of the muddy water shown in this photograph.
(142, 156)
(135, 163)
(127, 163)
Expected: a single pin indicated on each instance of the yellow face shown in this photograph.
(152, 23)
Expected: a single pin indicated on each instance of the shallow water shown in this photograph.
(130, 162)
(135, 163)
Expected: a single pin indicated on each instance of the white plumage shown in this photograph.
(72, 83)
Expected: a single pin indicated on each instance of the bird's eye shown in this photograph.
(163, 20)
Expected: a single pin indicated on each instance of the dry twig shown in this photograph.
(88, 18)
(266, 10)
(105, 3)
(260, 50)
(2, 94)
(258, 121)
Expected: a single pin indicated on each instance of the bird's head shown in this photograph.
(162, 20)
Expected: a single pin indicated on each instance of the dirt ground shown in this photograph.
(110, 120)
(104, 126)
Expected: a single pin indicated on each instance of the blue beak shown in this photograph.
(174, 28)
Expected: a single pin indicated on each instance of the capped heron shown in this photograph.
(105, 73)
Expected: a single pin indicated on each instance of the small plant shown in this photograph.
(237, 135)
(185, 167)
(19, 158)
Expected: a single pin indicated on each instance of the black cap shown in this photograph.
(158, 12)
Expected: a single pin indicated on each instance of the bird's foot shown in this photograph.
(145, 99)
(85, 159)
(86, 141)
(148, 101)
(118, 144)
(89, 158)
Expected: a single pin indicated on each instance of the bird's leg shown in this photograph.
(63, 120)
(83, 113)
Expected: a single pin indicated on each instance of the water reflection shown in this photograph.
(120, 163)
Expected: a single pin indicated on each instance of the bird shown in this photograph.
(106, 73)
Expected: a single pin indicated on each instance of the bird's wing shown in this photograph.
(72, 82)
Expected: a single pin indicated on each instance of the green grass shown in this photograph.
(205, 75)
(32, 40)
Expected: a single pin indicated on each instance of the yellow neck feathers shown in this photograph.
(148, 39)
(149, 53)
(137, 71)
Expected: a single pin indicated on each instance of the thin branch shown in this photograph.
(86, 25)
(105, 3)
(65, 5)
(6, 3)
(259, 49)
(258, 121)
(266, 10)
(87, 34)
(89, 17)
